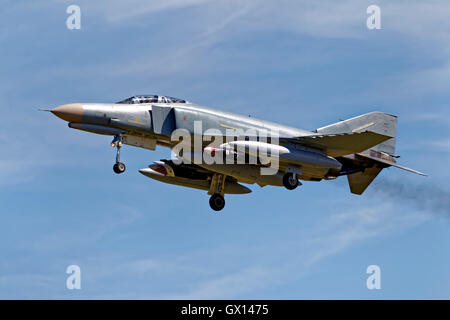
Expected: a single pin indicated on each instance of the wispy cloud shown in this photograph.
(118, 11)
(34, 282)
(442, 145)
(120, 216)
(331, 236)
(416, 19)
(234, 284)
(229, 272)
(422, 25)
(434, 116)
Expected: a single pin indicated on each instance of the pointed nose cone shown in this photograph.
(69, 112)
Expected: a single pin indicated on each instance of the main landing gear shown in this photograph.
(216, 190)
(118, 167)
(290, 180)
(217, 202)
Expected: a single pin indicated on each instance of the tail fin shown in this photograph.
(368, 163)
(378, 122)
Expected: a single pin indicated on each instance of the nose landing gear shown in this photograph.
(118, 167)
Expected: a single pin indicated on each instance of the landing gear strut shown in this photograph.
(118, 167)
(290, 180)
(216, 190)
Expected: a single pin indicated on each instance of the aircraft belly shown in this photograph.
(308, 172)
(230, 187)
(246, 173)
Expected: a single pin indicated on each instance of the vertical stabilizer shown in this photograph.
(377, 122)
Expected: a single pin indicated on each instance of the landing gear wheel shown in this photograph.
(217, 202)
(290, 181)
(119, 167)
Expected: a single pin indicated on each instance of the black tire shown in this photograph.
(119, 168)
(290, 181)
(217, 202)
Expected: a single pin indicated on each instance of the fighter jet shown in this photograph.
(222, 150)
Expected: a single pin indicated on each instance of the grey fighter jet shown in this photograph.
(221, 150)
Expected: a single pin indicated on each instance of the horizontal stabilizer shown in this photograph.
(377, 157)
(342, 144)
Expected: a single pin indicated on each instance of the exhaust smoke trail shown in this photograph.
(424, 196)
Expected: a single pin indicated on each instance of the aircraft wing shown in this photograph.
(341, 144)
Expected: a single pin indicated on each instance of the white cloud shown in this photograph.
(442, 145)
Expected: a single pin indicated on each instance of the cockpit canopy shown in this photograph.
(151, 99)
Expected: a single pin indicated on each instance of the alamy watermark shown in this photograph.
(73, 22)
(374, 280)
(374, 20)
(235, 146)
(73, 281)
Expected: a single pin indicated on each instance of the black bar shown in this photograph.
(225, 309)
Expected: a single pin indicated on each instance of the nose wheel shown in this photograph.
(118, 167)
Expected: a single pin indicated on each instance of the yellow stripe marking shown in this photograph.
(225, 126)
(136, 122)
(364, 126)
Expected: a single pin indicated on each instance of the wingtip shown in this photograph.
(410, 170)
(422, 174)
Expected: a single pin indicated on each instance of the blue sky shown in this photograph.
(300, 63)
